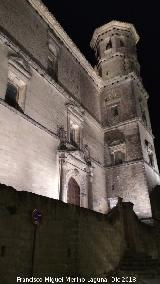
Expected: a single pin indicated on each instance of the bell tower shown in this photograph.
(130, 160)
(115, 49)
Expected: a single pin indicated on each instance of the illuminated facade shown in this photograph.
(68, 131)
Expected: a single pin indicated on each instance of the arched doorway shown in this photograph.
(73, 194)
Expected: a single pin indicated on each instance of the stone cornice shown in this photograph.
(121, 124)
(124, 164)
(62, 35)
(120, 79)
(111, 25)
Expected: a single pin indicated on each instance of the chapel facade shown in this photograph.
(68, 131)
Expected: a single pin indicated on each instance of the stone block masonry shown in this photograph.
(69, 240)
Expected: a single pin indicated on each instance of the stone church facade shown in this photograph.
(69, 131)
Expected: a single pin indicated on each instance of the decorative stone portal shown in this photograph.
(75, 173)
(73, 193)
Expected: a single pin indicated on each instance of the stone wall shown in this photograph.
(129, 182)
(129, 136)
(151, 171)
(94, 137)
(26, 27)
(141, 101)
(140, 237)
(152, 177)
(29, 140)
(32, 136)
(89, 96)
(75, 80)
(121, 94)
(69, 240)
(29, 31)
(28, 155)
(146, 136)
(155, 197)
(45, 104)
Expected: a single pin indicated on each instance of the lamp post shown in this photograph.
(62, 149)
(61, 161)
(36, 219)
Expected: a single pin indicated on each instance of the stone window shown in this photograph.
(144, 118)
(74, 133)
(121, 43)
(12, 94)
(18, 80)
(109, 45)
(53, 51)
(15, 92)
(75, 117)
(52, 65)
(142, 107)
(119, 157)
(118, 152)
(146, 143)
(151, 160)
(114, 111)
(149, 149)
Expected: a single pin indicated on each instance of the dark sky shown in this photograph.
(80, 18)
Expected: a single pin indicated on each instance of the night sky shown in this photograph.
(80, 18)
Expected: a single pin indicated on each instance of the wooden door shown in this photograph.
(73, 194)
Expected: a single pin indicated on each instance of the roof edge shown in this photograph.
(59, 31)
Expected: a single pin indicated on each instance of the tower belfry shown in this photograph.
(130, 159)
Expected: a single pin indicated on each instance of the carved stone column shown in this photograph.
(61, 173)
(90, 192)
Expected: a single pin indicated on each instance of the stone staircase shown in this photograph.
(139, 265)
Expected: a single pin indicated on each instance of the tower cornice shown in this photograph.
(128, 122)
(111, 25)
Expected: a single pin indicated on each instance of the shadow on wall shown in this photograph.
(59, 239)
(155, 202)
